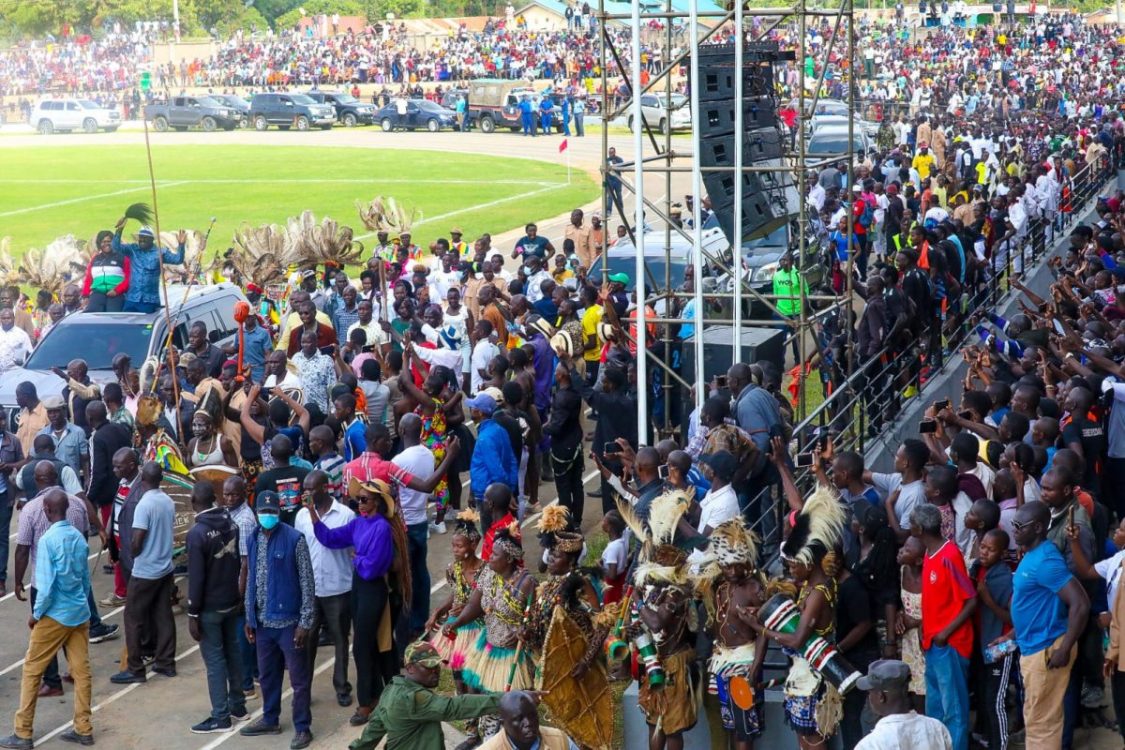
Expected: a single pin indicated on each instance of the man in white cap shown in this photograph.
(143, 294)
(900, 727)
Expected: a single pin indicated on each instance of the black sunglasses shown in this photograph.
(1017, 525)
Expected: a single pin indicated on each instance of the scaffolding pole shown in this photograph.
(661, 157)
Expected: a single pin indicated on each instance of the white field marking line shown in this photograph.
(119, 694)
(258, 713)
(527, 521)
(70, 201)
(19, 663)
(295, 180)
(477, 207)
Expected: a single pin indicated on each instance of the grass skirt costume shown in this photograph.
(727, 663)
(812, 705)
(675, 706)
(454, 650)
(489, 661)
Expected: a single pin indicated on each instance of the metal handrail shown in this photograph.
(845, 411)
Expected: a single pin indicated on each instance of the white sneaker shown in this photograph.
(437, 528)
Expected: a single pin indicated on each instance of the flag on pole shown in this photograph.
(562, 146)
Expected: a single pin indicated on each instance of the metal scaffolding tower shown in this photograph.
(686, 28)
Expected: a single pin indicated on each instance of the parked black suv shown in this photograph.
(290, 111)
(349, 110)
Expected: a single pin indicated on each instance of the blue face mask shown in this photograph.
(268, 520)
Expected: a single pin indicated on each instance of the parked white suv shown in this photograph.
(659, 117)
(68, 114)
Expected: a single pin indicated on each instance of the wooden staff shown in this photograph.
(164, 284)
(519, 645)
(382, 290)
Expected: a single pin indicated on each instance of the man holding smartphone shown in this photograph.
(617, 418)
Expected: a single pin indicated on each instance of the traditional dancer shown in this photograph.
(727, 584)
(564, 586)
(461, 575)
(662, 626)
(498, 661)
(813, 707)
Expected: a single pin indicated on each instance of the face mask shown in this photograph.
(268, 520)
(526, 271)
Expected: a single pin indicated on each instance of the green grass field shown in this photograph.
(48, 191)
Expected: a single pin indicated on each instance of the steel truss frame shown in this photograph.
(654, 154)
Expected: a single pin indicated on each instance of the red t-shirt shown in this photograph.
(945, 588)
(490, 536)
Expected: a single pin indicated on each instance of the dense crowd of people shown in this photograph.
(327, 448)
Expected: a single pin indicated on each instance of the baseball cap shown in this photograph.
(308, 273)
(267, 501)
(885, 674)
(423, 654)
(146, 231)
(620, 278)
(496, 393)
(482, 402)
(723, 463)
(456, 230)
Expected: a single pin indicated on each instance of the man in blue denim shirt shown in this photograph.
(143, 294)
(60, 618)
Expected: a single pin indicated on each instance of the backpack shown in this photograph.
(867, 218)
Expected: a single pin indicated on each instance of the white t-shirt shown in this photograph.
(907, 732)
(616, 553)
(483, 353)
(419, 461)
(716, 507)
(1110, 570)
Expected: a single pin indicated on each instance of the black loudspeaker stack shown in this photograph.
(769, 199)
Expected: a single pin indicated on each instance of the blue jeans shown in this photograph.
(276, 653)
(222, 657)
(249, 656)
(416, 538)
(947, 692)
(141, 307)
(95, 618)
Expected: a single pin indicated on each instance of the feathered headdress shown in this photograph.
(555, 530)
(326, 242)
(731, 543)
(263, 254)
(9, 271)
(192, 267)
(665, 562)
(817, 529)
(466, 526)
(387, 215)
(52, 267)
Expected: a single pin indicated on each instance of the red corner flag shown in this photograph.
(562, 146)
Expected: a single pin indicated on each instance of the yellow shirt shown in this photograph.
(923, 163)
(590, 320)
